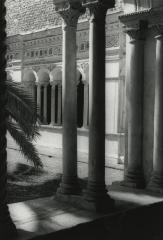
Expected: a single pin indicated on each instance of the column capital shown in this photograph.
(135, 34)
(98, 8)
(69, 11)
(158, 30)
(138, 33)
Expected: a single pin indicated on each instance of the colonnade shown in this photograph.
(95, 192)
(48, 95)
(135, 97)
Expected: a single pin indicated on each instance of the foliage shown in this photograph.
(22, 123)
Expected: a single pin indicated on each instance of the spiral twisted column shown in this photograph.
(7, 227)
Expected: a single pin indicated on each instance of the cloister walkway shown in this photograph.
(46, 215)
(41, 217)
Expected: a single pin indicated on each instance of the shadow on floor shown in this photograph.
(142, 223)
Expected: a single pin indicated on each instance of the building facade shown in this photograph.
(35, 58)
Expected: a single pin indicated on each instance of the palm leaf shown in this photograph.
(30, 130)
(22, 108)
(22, 100)
(26, 146)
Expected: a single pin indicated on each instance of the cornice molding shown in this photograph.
(153, 16)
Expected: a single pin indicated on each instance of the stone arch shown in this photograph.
(29, 75)
(29, 79)
(9, 74)
(80, 75)
(56, 75)
(43, 76)
(44, 95)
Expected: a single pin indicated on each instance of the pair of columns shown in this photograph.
(70, 12)
(135, 89)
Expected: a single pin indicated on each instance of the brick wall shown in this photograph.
(31, 15)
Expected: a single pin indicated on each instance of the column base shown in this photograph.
(133, 179)
(156, 183)
(69, 189)
(97, 199)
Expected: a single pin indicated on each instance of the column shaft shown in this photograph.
(156, 183)
(45, 112)
(39, 99)
(53, 104)
(70, 15)
(59, 115)
(135, 89)
(96, 191)
(86, 105)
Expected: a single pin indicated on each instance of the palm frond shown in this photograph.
(22, 108)
(26, 146)
(30, 130)
(23, 101)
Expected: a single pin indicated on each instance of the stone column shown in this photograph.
(86, 105)
(96, 193)
(53, 86)
(70, 12)
(39, 99)
(156, 182)
(45, 113)
(59, 114)
(135, 88)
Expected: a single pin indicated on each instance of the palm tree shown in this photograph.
(20, 119)
(22, 122)
(16, 106)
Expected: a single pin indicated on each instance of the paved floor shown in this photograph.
(52, 161)
(43, 216)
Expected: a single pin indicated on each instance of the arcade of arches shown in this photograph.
(63, 95)
(46, 88)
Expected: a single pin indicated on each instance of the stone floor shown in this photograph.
(52, 161)
(45, 217)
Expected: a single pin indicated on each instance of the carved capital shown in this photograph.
(158, 30)
(98, 9)
(136, 34)
(69, 11)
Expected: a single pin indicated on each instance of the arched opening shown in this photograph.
(80, 100)
(44, 98)
(29, 82)
(56, 97)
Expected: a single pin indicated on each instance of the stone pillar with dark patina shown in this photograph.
(134, 96)
(96, 193)
(156, 182)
